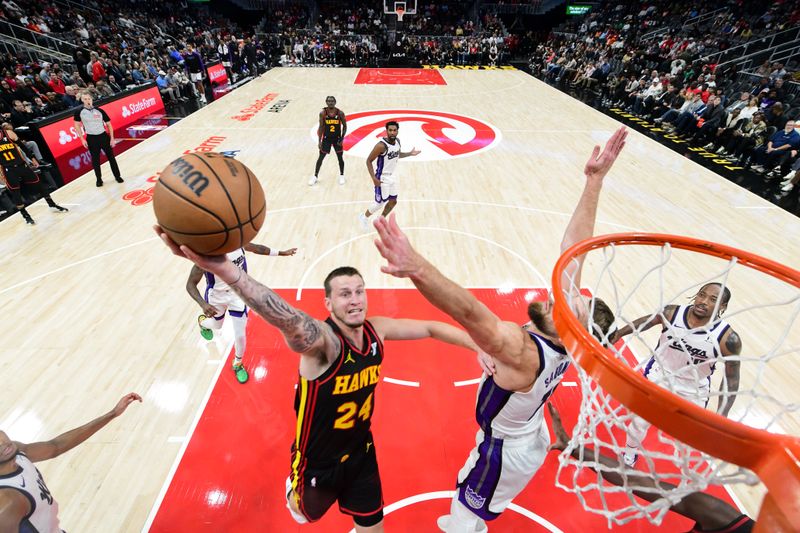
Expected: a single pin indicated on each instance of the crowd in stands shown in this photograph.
(115, 45)
(675, 79)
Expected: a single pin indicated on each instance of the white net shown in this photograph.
(658, 284)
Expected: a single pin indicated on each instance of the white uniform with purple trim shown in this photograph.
(29, 482)
(513, 439)
(685, 358)
(386, 167)
(220, 295)
(683, 362)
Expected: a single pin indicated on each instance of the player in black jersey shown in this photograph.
(333, 453)
(15, 172)
(331, 132)
(708, 512)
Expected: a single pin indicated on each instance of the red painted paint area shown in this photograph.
(399, 76)
(232, 476)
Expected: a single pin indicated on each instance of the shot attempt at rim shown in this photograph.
(706, 446)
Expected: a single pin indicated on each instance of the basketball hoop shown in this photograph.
(399, 11)
(775, 458)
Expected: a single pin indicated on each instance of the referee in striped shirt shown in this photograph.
(99, 136)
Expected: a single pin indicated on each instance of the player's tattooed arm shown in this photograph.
(730, 384)
(303, 333)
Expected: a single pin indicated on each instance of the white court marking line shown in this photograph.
(176, 439)
(402, 382)
(419, 228)
(568, 384)
(448, 495)
(755, 207)
(40, 276)
(187, 439)
(317, 206)
(467, 382)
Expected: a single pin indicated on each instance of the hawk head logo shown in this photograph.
(64, 137)
(125, 112)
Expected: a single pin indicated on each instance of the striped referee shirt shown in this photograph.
(92, 119)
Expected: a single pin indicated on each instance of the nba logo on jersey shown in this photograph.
(474, 500)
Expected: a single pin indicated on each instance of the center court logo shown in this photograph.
(439, 135)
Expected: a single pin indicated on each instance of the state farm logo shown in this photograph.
(438, 135)
(64, 137)
(215, 74)
(250, 111)
(137, 107)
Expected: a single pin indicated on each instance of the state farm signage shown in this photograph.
(62, 138)
(217, 74)
(250, 111)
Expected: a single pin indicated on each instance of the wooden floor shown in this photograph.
(95, 306)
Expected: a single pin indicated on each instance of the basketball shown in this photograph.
(210, 202)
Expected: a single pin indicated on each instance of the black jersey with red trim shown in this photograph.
(332, 124)
(742, 524)
(10, 155)
(334, 411)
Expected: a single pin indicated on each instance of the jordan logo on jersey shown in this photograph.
(349, 358)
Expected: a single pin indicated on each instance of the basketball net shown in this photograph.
(770, 341)
(400, 12)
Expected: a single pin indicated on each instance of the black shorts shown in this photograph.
(328, 142)
(15, 176)
(354, 482)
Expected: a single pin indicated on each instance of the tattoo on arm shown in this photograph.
(301, 330)
(733, 343)
(259, 249)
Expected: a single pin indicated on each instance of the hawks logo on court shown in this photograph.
(438, 135)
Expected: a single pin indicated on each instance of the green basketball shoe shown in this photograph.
(206, 333)
(240, 371)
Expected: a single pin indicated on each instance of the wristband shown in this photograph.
(274, 252)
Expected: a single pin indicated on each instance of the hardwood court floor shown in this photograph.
(96, 306)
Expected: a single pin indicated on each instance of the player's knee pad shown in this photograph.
(369, 520)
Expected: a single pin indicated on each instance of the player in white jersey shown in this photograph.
(385, 155)
(528, 363)
(219, 299)
(693, 339)
(26, 504)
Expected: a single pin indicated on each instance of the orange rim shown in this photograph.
(775, 458)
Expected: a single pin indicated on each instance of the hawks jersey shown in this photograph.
(689, 354)
(332, 123)
(238, 259)
(334, 411)
(502, 413)
(387, 162)
(29, 481)
(10, 155)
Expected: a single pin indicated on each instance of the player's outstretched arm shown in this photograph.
(41, 451)
(303, 333)
(643, 323)
(260, 249)
(404, 329)
(404, 262)
(412, 153)
(581, 225)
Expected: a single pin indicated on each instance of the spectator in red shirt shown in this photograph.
(98, 70)
(57, 84)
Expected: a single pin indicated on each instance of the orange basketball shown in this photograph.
(211, 203)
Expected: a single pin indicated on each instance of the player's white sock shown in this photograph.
(374, 208)
(239, 336)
